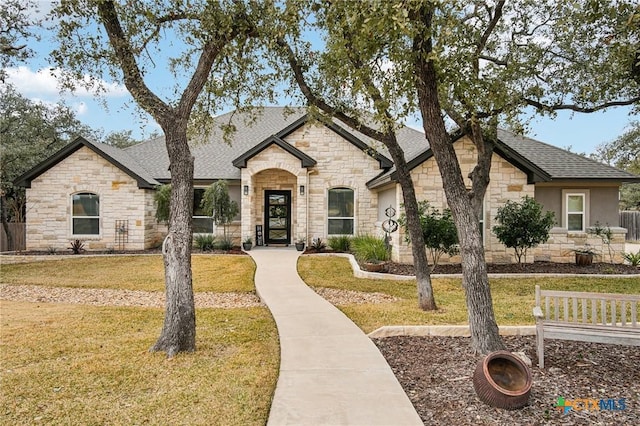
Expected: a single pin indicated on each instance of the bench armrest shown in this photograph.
(537, 313)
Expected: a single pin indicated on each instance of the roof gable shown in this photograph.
(113, 155)
(541, 162)
(305, 160)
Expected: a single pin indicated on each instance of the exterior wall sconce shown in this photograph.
(301, 189)
(246, 190)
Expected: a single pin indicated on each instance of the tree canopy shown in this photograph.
(624, 153)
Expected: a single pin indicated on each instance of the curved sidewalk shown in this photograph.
(331, 373)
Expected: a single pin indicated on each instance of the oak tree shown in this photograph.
(197, 42)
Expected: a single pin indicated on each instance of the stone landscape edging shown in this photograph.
(446, 330)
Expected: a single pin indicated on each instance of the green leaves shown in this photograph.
(523, 225)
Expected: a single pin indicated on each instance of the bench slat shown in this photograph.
(587, 295)
(604, 327)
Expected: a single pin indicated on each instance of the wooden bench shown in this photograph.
(587, 317)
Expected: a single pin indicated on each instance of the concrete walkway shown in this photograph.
(331, 373)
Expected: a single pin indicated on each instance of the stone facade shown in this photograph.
(339, 164)
(507, 183)
(49, 206)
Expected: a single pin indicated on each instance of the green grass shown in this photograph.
(65, 364)
(513, 298)
(219, 273)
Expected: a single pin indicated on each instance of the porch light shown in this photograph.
(301, 189)
(246, 190)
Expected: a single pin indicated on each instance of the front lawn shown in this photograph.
(513, 298)
(219, 273)
(76, 364)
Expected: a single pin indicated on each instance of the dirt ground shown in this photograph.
(436, 373)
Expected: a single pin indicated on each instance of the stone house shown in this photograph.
(294, 179)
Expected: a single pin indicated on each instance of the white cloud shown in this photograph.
(45, 82)
(81, 108)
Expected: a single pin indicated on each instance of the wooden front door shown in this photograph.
(277, 219)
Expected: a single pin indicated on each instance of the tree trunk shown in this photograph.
(179, 329)
(426, 300)
(464, 206)
(5, 224)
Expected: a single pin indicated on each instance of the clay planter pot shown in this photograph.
(374, 267)
(502, 380)
(584, 259)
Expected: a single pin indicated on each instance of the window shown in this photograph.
(340, 212)
(575, 218)
(202, 223)
(85, 218)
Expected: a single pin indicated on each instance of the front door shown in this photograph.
(277, 217)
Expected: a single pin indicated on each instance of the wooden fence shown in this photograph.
(18, 232)
(631, 221)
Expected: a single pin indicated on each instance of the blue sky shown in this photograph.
(116, 111)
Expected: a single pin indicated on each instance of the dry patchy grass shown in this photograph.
(218, 273)
(64, 364)
(513, 298)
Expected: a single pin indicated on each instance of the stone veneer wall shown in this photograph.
(507, 183)
(49, 205)
(561, 243)
(339, 164)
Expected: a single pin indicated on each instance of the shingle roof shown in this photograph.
(542, 162)
(148, 161)
(214, 158)
(559, 163)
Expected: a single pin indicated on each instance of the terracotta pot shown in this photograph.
(584, 259)
(374, 267)
(502, 380)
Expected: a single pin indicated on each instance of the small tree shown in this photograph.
(438, 230)
(217, 203)
(523, 225)
(162, 197)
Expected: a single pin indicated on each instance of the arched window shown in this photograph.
(86, 214)
(341, 211)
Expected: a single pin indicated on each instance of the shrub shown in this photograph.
(340, 243)
(205, 242)
(225, 244)
(217, 203)
(76, 246)
(605, 234)
(632, 258)
(317, 244)
(438, 230)
(523, 225)
(369, 248)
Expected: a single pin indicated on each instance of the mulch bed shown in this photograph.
(527, 268)
(436, 373)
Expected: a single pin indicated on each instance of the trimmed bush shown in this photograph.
(340, 243)
(523, 225)
(369, 248)
(205, 242)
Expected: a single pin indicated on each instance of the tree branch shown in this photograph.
(318, 102)
(497, 14)
(133, 80)
(576, 108)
